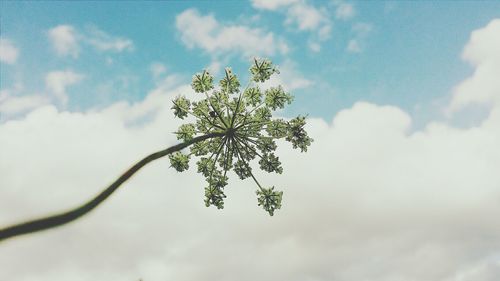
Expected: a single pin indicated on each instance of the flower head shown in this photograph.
(241, 129)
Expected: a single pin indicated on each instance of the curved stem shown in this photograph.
(71, 215)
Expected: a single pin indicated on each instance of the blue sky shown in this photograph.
(402, 45)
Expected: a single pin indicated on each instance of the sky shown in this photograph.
(401, 182)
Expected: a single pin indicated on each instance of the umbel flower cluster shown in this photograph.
(231, 128)
(239, 128)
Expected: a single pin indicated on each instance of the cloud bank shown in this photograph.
(8, 51)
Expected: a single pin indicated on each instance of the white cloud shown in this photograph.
(67, 41)
(8, 52)
(309, 18)
(483, 52)
(370, 201)
(206, 33)
(64, 39)
(344, 11)
(102, 41)
(56, 83)
(271, 4)
(304, 17)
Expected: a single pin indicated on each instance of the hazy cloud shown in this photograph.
(102, 41)
(8, 51)
(157, 69)
(64, 39)
(67, 40)
(344, 11)
(353, 46)
(56, 83)
(360, 32)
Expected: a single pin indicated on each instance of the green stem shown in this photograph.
(240, 141)
(236, 111)
(216, 111)
(223, 142)
(71, 215)
(240, 157)
(255, 108)
(253, 122)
